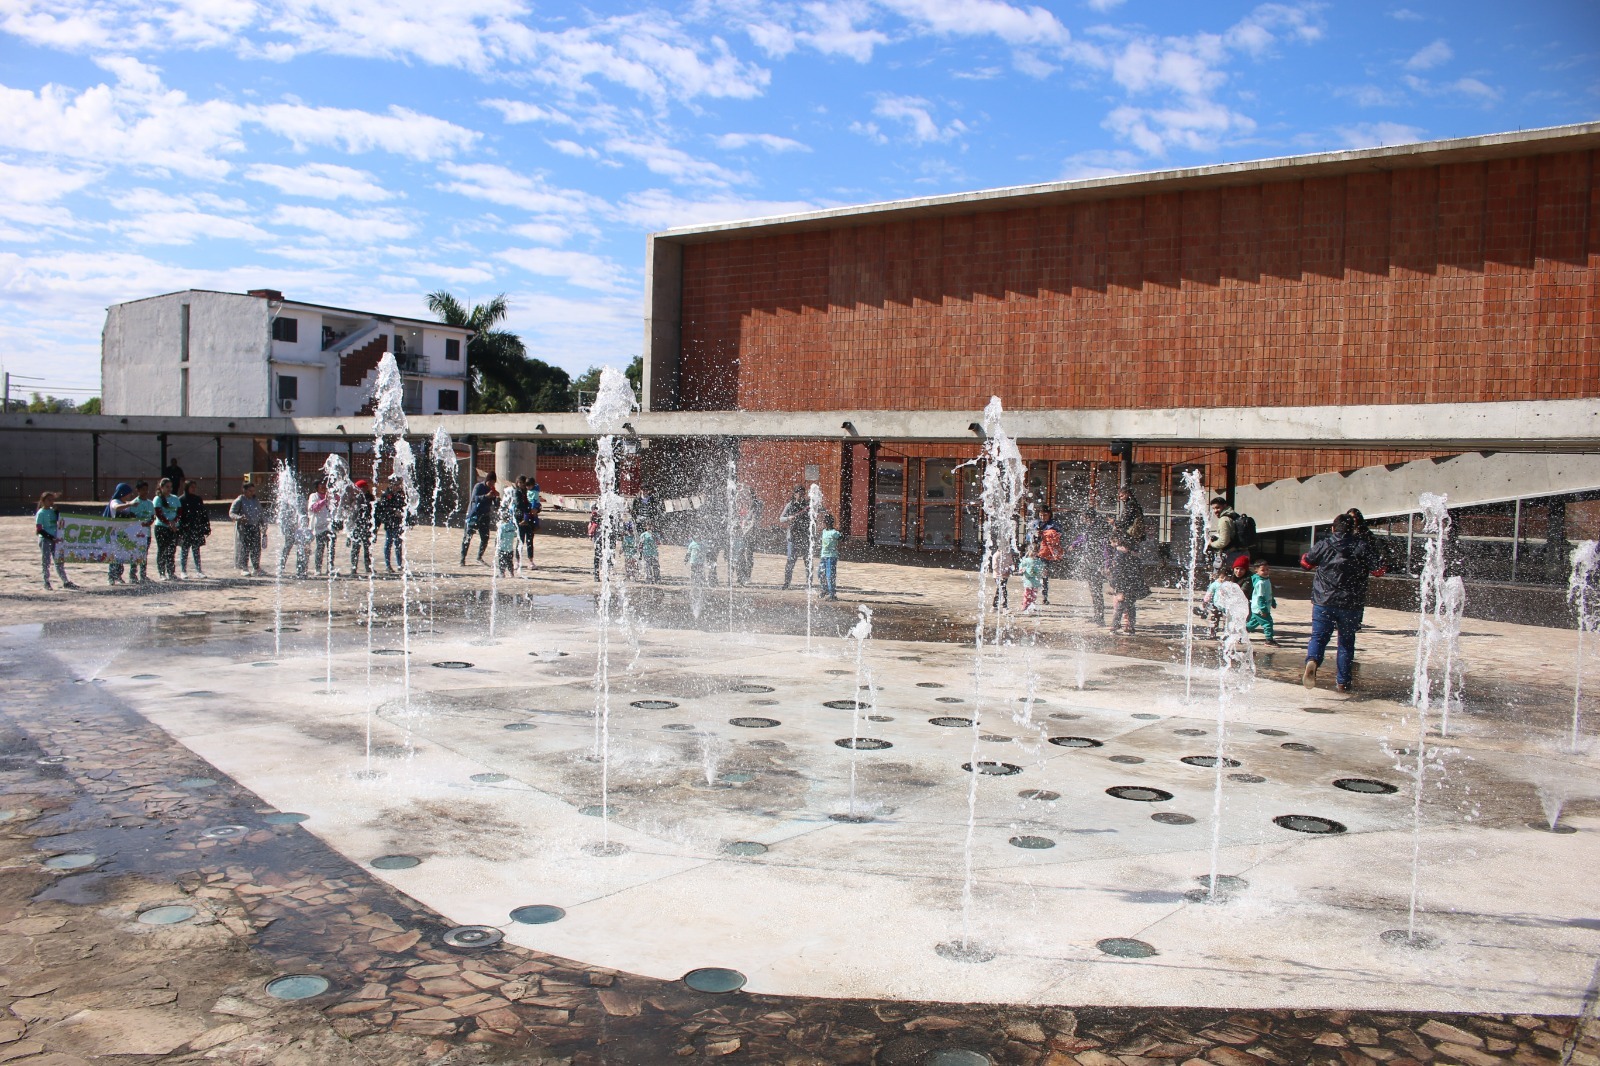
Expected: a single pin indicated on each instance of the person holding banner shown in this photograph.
(249, 531)
(167, 507)
(121, 506)
(47, 523)
(144, 509)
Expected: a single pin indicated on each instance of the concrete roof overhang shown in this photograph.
(1536, 426)
(1574, 138)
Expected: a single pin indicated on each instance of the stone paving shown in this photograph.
(86, 981)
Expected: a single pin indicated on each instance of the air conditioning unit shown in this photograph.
(286, 406)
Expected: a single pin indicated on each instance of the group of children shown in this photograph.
(1255, 581)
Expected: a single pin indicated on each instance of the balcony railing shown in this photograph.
(411, 363)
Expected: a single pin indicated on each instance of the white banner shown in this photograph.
(87, 539)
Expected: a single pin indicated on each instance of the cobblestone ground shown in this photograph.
(82, 979)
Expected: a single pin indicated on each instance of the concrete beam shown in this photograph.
(1531, 426)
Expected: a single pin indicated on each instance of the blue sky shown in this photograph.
(367, 152)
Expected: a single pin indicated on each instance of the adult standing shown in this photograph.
(173, 473)
(1338, 594)
(646, 508)
(319, 513)
(194, 526)
(249, 530)
(1130, 515)
(1222, 534)
(481, 515)
(1092, 545)
(167, 507)
(746, 515)
(391, 515)
(789, 519)
(357, 509)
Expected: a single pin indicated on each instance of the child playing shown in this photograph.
(694, 557)
(144, 509)
(649, 553)
(630, 553)
(829, 558)
(1005, 564)
(1261, 603)
(1127, 582)
(46, 523)
(1209, 608)
(1033, 570)
(506, 542)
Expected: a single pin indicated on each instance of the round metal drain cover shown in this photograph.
(297, 986)
(1558, 828)
(653, 705)
(1139, 793)
(838, 673)
(389, 651)
(52, 760)
(957, 1056)
(264, 664)
(1031, 843)
(145, 677)
(519, 727)
(679, 727)
(283, 629)
(736, 777)
(453, 664)
(196, 614)
(594, 810)
(864, 743)
(1365, 784)
(73, 861)
(1172, 818)
(1032, 699)
(844, 705)
(763, 703)
(197, 782)
(929, 684)
(1125, 948)
(851, 819)
(1295, 745)
(753, 688)
(948, 699)
(489, 779)
(964, 951)
(1308, 823)
(953, 723)
(234, 621)
(198, 694)
(1044, 795)
(605, 849)
(994, 738)
(284, 818)
(167, 915)
(1127, 760)
(744, 848)
(880, 718)
(1247, 779)
(537, 914)
(472, 936)
(1189, 732)
(1319, 710)
(993, 769)
(754, 723)
(1146, 717)
(1076, 742)
(1402, 938)
(395, 862)
(1207, 760)
(225, 832)
(1273, 732)
(714, 979)
(1063, 716)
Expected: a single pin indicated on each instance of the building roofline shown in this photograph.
(1577, 137)
(301, 303)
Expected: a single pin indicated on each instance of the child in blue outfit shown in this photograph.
(829, 558)
(506, 542)
(1261, 603)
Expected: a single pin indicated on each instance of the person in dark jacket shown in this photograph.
(194, 526)
(1342, 563)
(482, 515)
(1047, 537)
(391, 515)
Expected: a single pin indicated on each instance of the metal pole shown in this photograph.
(94, 462)
(219, 468)
(1410, 519)
(872, 491)
(1231, 474)
(1516, 534)
(847, 487)
(162, 437)
(7, 403)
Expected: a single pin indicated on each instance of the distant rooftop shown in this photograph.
(272, 295)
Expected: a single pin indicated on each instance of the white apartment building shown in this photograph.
(252, 354)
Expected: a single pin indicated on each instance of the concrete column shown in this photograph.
(514, 458)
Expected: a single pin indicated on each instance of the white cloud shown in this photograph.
(1197, 125)
(574, 149)
(658, 209)
(517, 112)
(1431, 56)
(1100, 163)
(1371, 95)
(555, 232)
(1405, 14)
(831, 28)
(186, 227)
(401, 130)
(582, 269)
(529, 192)
(1014, 25)
(675, 163)
(322, 181)
(915, 114)
(1476, 89)
(1104, 5)
(1378, 134)
(347, 227)
(28, 184)
(770, 141)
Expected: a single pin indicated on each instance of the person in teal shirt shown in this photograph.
(166, 507)
(1261, 603)
(506, 542)
(1032, 569)
(829, 558)
(47, 523)
(650, 553)
(144, 509)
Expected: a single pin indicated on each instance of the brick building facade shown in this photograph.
(1450, 272)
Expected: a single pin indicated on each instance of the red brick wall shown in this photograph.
(1466, 282)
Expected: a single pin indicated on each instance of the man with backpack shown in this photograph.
(1228, 533)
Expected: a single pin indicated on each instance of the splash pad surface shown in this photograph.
(855, 909)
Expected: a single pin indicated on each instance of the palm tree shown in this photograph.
(502, 377)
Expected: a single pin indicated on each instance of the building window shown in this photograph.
(288, 387)
(452, 349)
(286, 329)
(449, 399)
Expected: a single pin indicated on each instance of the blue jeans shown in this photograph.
(393, 547)
(1324, 620)
(830, 577)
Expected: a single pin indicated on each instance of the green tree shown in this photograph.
(587, 384)
(91, 406)
(502, 376)
(51, 405)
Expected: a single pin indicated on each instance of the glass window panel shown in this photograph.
(887, 522)
(891, 480)
(1072, 487)
(939, 526)
(939, 479)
